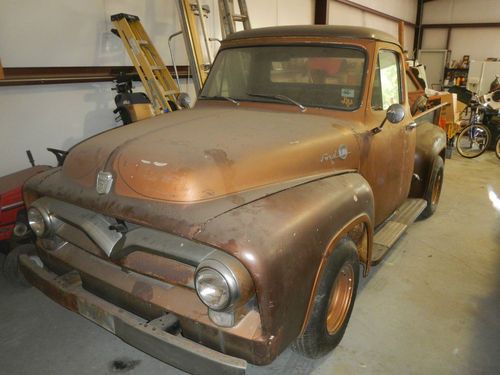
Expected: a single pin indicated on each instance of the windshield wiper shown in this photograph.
(229, 99)
(280, 97)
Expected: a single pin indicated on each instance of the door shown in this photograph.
(434, 62)
(387, 163)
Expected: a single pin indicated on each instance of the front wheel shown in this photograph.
(497, 147)
(473, 141)
(11, 264)
(433, 190)
(333, 302)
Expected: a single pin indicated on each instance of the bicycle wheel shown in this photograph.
(497, 147)
(473, 141)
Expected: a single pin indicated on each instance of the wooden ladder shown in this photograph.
(188, 13)
(228, 18)
(159, 85)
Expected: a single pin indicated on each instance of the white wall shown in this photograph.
(478, 43)
(70, 33)
(37, 33)
(280, 12)
(36, 117)
(341, 14)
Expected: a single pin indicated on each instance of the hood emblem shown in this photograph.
(104, 182)
(341, 153)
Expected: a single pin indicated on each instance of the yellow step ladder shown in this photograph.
(159, 85)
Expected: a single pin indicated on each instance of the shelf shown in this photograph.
(72, 74)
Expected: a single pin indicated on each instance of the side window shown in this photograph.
(387, 82)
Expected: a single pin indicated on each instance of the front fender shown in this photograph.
(281, 239)
(431, 142)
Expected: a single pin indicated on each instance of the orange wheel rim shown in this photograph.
(436, 189)
(340, 299)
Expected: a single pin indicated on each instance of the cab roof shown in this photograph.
(350, 32)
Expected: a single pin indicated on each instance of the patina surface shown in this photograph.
(271, 186)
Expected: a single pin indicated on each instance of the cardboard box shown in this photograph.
(448, 112)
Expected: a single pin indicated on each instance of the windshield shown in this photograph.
(314, 76)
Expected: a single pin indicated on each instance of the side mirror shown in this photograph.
(395, 113)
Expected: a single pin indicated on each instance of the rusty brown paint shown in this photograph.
(365, 221)
(273, 197)
(160, 268)
(143, 290)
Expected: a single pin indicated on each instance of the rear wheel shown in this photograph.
(473, 141)
(497, 147)
(333, 302)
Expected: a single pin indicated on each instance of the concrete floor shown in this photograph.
(432, 307)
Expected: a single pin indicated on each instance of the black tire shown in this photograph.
(471, 146)
(433, 190)
(497, 147)
(324, 330)
(11, 264)
(2, 260)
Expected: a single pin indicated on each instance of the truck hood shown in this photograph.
(202, 154)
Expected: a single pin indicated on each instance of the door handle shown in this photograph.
(412, 125)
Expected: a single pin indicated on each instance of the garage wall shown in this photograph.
(76, 33)
(341, 14)
(478, 43)
(280, 12)
(69, 33)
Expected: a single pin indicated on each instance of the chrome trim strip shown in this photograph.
(94, 225)
(117, 245)
(12, 206)
(164, 244)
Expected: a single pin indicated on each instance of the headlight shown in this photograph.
(225, 286)
(37, 222)
(213, 289)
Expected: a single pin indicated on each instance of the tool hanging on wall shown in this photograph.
(158, 83)
(228, 18)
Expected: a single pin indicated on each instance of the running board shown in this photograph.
(389, 232)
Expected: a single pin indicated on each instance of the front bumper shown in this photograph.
(146, 336)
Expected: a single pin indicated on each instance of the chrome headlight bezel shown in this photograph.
(39, 221)
(219, 283)
(218, 269)
(240, 287)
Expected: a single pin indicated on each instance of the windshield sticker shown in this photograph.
(347, 102)
(348, 93)
(347, 97)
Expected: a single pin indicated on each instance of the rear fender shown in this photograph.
(283, 239)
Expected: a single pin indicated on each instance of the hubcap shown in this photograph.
(340, 298)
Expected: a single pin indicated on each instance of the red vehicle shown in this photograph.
(12, 211)
(14, 228)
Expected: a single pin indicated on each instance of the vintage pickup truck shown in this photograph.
(223, 234)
